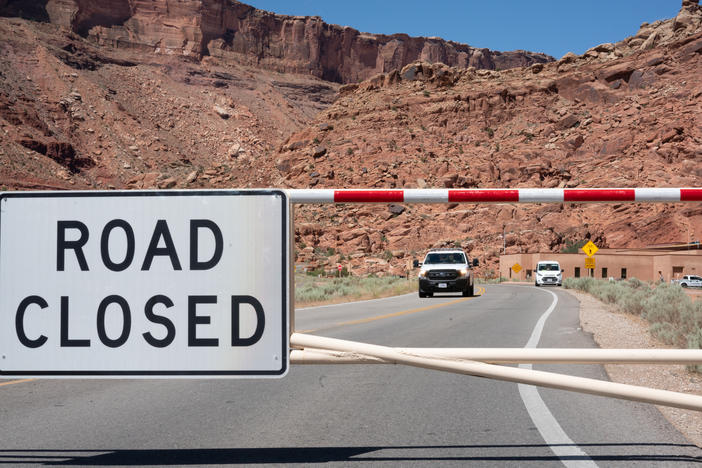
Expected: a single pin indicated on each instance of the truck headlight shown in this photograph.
(422, 273)
(463, 272)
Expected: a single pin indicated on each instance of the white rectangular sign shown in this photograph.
(144, 284)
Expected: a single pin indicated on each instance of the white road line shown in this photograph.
(553, 434)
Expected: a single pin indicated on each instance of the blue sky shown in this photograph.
(550, 26)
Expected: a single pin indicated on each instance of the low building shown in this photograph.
(645, 264)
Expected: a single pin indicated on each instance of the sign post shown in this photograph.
(143, 284)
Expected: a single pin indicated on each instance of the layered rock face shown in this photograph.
(235, 32)
(627, 114)
(76, 115)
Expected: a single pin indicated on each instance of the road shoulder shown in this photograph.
(614, 329)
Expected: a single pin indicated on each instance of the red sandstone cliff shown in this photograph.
(78, 115)
(237, 33)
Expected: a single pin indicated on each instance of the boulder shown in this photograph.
(235, 150)
(617, 71)
(319, 151)
(222, 112)
(651, 42)
(569, 57)
(568, 121)
(396, 209)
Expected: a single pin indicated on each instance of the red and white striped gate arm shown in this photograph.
(518, 195)
(311, 349)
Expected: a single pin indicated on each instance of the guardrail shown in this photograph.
(309, 349)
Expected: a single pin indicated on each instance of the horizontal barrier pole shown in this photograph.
(506, 373)
(512, 356)
(519, 195)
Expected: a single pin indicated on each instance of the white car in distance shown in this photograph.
(690, 281)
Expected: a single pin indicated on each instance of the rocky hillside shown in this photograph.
(112, 93)
(236, 33)
(75, 115)
(621, 115)
(103, 95)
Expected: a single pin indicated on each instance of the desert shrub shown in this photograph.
(694, 341)
(609, 292)
(636, 283)
(673, 317)
(633, 302)
(309, 290)
(668, 304)
(572, 246)
(317, 272)
(581, 284)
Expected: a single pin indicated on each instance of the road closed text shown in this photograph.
(145, 283)
(72, 236)
(163, 332)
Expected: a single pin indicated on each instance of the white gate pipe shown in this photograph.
(512, 356)
(492, 195)
(510, 374)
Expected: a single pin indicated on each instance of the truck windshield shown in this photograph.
(445, 258)
(548, 267)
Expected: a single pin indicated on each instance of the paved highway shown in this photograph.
(353, 414)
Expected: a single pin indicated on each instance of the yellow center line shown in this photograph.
(480, 292)
(12, 382)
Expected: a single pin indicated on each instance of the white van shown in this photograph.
(548, 272)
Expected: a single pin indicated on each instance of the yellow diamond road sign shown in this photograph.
(516, 268)
(590, 249)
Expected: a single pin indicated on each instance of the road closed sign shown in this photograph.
(142, 284)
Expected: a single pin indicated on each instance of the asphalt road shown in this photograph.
(353, 414)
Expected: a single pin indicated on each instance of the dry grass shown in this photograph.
(672, 315)
(312, 290)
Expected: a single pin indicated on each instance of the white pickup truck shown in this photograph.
(690, 281)
(446, 270)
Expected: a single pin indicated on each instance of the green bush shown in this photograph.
(673, 316)
(317, 272)
(573, 246)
